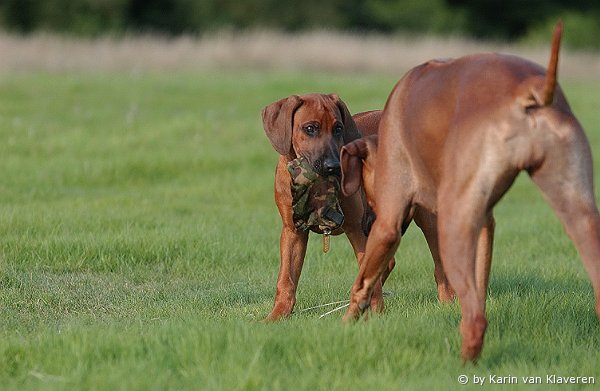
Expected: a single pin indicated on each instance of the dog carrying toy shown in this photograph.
(315, 200)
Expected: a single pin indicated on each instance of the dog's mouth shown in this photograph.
(315, 198)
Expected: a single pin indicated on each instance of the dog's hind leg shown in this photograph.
(483, 260)
(428, 224)
(459, 223)
(466, 196)
(566, 180)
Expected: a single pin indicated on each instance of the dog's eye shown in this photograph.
(310, 129)
(338, 129)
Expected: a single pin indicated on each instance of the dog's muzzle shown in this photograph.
(329, 166)
(315, 198)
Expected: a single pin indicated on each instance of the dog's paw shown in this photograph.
(355, 311)
(279, 312)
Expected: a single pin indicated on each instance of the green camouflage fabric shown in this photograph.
(315, 199)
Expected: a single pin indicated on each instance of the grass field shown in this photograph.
(139, 251)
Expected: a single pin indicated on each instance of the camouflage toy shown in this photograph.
(315, 199)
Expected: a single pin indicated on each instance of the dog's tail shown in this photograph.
(550, 83)
(538, 91)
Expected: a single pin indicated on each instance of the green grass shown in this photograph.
(139, 251)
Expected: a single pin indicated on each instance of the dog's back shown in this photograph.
(493, 96)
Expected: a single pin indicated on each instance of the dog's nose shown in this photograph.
(332, 166)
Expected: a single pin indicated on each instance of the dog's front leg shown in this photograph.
(381, 246)
(354, 207)
(292, 251)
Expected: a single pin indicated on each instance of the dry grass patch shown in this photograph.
(263, 50)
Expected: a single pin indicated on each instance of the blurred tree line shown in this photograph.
(497, 19)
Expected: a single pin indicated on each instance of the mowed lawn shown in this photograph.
(139, 251)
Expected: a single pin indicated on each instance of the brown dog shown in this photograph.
(454, 136)
(315, 127)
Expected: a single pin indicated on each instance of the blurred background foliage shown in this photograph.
(511, 20)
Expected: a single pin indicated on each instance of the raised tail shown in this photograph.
(547, 93)
(538, 91)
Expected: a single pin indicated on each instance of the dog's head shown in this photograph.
(358, 168)
(312, 126)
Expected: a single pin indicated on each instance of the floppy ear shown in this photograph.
(278, 118)
(351, 158)
(351, 132)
